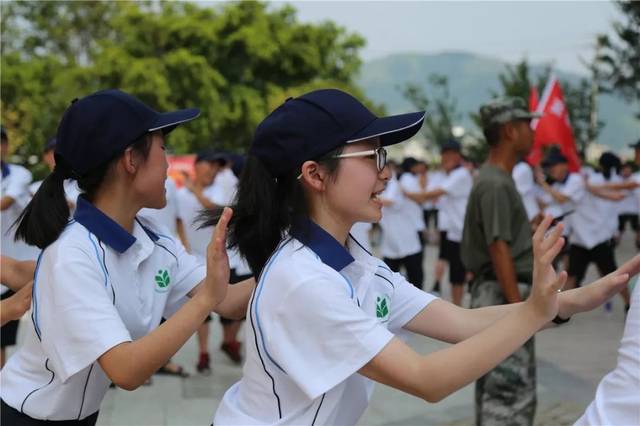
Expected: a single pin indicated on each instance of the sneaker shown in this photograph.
(203, 364)
(232, 349)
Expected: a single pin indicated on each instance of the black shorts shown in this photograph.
(428, 215)
(9, 331)
(457, 271)
(580, 258)
(234, 279)
(11, 416)
(631, 218)
(442, 246)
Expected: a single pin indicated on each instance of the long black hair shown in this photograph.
(47, 214)
(265, 208)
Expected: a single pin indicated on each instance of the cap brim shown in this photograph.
(168, 121)
(391, 130)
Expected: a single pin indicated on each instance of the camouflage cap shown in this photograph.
(504, 110)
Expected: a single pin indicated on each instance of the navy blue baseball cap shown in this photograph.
(51, 144)
(96, 128)
(635, 145)
(554, 157)
(211, 155)
(318, 122)
(451, 145)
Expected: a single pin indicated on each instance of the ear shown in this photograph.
(313, 175)
(129, 161)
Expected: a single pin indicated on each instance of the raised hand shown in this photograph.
(546, 282)
(595, 294)
(217, 279)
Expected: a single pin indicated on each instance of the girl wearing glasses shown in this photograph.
(322, 319)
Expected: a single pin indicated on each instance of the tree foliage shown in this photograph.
(441, 108)
(235, 61)
(618, 60)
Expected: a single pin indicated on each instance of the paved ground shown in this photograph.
(571, 361)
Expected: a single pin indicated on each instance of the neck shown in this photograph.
(118, 206)
(337, 228)
(503, 158)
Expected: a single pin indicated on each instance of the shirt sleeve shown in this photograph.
(74, 311)
(495, 214)
(408, 301)
(18, 187)
(457, 184)
(190, 272)
(318, 327)
(574, 189)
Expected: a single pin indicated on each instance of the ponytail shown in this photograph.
(46, 215)
(264, 210)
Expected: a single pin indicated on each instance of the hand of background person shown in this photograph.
(547, 283)
(15, 306)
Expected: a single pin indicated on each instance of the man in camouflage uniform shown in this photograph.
(496, 246)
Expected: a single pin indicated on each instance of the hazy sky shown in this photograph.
(558, 32)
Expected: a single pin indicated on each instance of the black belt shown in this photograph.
(521, 278)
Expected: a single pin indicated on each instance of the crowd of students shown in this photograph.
(128, 270)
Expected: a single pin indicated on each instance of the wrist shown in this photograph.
(534, 314)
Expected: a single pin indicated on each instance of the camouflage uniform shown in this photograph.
(507, 394)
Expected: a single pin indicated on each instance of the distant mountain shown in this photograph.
(472, 79)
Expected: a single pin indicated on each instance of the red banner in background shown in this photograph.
(179, 167)
(533, 99)
(553, 128)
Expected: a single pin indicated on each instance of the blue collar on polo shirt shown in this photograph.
(5, 169)
(330, 251)
(105, 228)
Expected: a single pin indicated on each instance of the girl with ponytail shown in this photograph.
(322, 318)
(105, 278)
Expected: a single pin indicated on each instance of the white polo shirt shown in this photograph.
(95, 287)
(411, 183)
(617, 400)
(360, 232)
(15, 184)
(319, 313)
(168, 215)
(525, 184)
(399, 236)
(590, 224)
(188, 210)
(435, 181)
(573, 188)
(457, 184)
(630, 203)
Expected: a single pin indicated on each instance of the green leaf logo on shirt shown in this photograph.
(162, 279)
(382, 307)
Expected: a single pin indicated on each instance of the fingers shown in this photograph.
(560, 281)
(219, 235)
(552, 252)
(631, 267)
(551, 239)
(542, 229)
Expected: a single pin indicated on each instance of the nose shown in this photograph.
(385, 173)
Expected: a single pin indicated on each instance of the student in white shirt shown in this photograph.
(454, 193)
(324, 312)
(522, 174)
(193, 197)
(104, 279)
(591, 231)
(14, 195)
(222, 193)
(629, 207)
(71, 189)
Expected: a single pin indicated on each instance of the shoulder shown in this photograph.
(295, 267)
(75, 243)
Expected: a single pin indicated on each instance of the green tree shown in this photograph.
(441, 108)
(235, 61)
(618, 58)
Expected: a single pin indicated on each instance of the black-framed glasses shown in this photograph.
(379, 153)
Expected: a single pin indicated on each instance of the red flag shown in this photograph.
(533, 99)
(553, 128)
